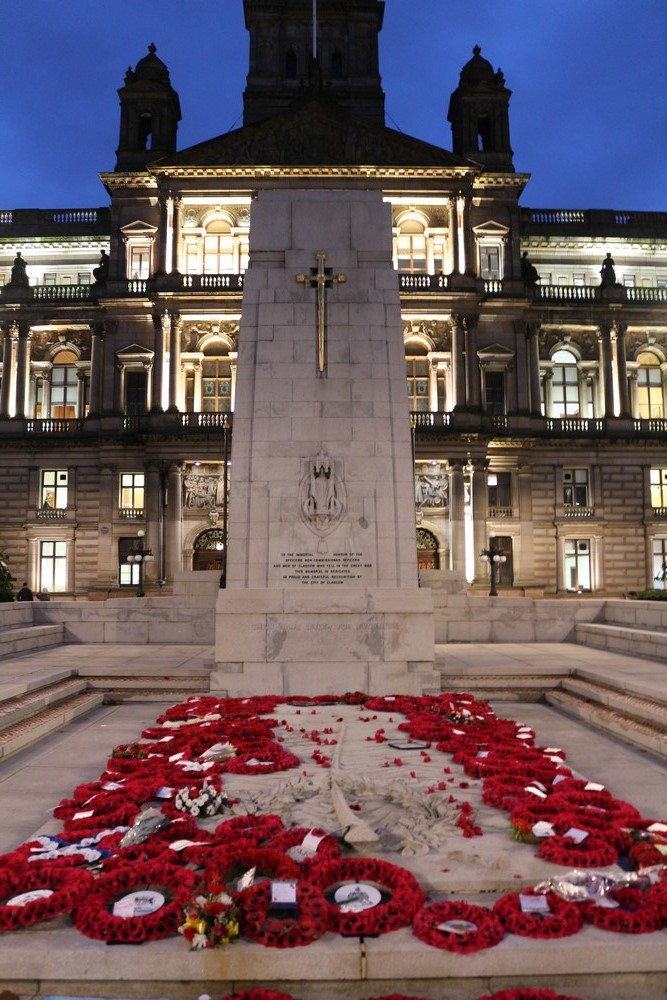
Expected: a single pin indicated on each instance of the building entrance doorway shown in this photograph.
(427, 550)
(209, 550)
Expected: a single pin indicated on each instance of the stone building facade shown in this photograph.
(535, 339)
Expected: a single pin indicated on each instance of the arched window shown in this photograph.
(64, 386)
(650, 403)
(216, 379)
(145, 131)
(411, 246)
(565, 385)
(218, 248)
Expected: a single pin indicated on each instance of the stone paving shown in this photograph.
(32, 782)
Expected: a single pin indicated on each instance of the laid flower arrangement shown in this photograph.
(211, 920)
(205, 800)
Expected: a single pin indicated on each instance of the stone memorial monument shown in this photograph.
(322, 589)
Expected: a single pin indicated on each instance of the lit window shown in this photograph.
(50, 278)
(64, 386)
(659, 489)
(132, 491)
(53, 566)
(629, 280)
(575, 488)
(411, 246)
(53, 489)
(84, 277)
(650, 402)
(499, 485)
(216, 383)
(418, 382)
(577, 564)
(659, 572)
(218, 248)
(489, 262)
(140, 261)
(564, 385)
(578, 279)
(128, 573)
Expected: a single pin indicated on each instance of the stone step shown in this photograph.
(120, 689)
(24, 638)
(35, 727)
(634, 640)
(642, 735)
(652, 710)
(19, 707)
(503, 686)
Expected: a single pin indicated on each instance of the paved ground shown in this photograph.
(32, 782)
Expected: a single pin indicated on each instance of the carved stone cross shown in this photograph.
(321, 278)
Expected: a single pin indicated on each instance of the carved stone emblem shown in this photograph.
(322, 496)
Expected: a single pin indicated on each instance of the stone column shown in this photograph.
(634, 405)
(81, 393)
(96, 367)
(8, 338)
(533, 339)
(606, 370)
(109, 404)
(472, 363)
(480, 507)
(547, 379)
(433, 384)
(453, 241)
(524, 554)
(162, 327)
(152, 520)
(178, 228)
(174, 521)
(457, 544)
(466, 260)
(107, 556)
(622, 369)
(174, 362)
(23, 368)
(165, 223)
(458, 366)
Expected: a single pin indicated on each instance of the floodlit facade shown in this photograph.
(535, 339)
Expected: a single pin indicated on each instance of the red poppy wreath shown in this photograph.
(285, 928)
(458, 926)
(561, 919)
(39, 891)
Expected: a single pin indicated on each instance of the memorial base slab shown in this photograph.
(323, 640)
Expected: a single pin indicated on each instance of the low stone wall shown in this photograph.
(461, 618)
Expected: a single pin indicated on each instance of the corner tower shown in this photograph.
(149, 114)
(283, 37)
(479, 115)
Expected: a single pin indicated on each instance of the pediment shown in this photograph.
(314, 132)
(496, 352)
(491, 228)
(134, 351)
(138, 228)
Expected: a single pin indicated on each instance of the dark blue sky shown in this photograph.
(588, 115)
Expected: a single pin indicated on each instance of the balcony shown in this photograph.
(32, 222)
(578, 512)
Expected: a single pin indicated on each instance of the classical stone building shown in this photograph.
(535, 339)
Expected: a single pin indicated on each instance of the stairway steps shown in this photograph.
(23, 638)
(633, 640)
(642, 735)
(633, 706)
(35, 727)
(14, 710)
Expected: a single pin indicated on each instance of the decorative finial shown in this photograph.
(152, 49)
(476, 51)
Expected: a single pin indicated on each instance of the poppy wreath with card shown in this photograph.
(593, 852)
(94, 916)
(404, 895)
(292, 928)
(562, 919)
(637, 912)
(258, 994)
(527, 993)
(228, 864)
(327, 847)
(458, 926)
(63, 886)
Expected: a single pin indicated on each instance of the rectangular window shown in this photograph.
(660, 563)
(53, 489)
(50, 278)
(131, 499)
(192, 258)
(84, 277)
(575, 488)
(494, 389)
(499, 490)
(577, 564)
(140, 262)
(629, 280)
(53, 566)
(489, 259)
(136, 390)
(659, 489)
(578, 279)
(128, 573)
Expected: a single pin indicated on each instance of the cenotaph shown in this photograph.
(322, 589)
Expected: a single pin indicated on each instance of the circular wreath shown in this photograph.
(563, 918)
(93, 916)
(488, 930)
(594, 852)
(227, 862)
(404, 895)
(273, 758)
(327, 848)
(257, 827)
(67, 886)
(634, 914)
(394, 996)
(291, 930)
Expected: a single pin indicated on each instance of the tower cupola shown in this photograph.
(479, 115)
(149, 114)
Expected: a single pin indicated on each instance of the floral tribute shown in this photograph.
(527, 993)
(258, 994)
(159, 872)
(458, 926)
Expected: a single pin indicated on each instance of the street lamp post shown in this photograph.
(137, 557)
(495, 558)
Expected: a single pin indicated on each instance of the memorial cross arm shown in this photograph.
(321, 278)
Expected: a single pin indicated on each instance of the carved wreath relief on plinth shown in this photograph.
(322, 496)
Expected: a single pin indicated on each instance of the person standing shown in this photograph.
(25, 593)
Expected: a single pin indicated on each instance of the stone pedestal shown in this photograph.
(322, 590)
